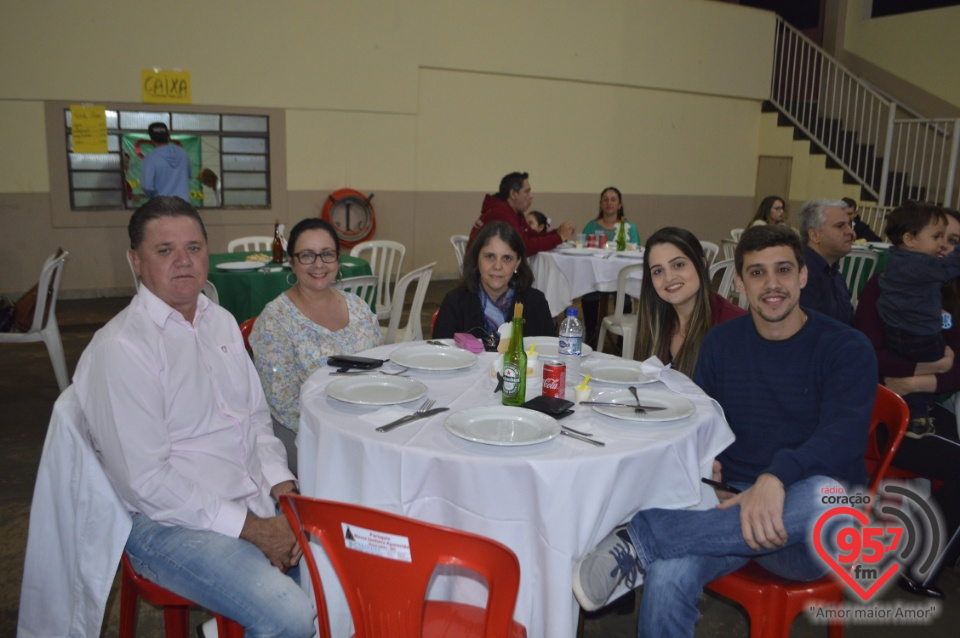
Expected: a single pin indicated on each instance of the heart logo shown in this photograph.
(865, 594)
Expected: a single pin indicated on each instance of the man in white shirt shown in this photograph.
(183, 431)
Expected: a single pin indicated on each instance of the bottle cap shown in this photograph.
(571, 312)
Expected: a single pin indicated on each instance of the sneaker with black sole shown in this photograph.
(596, 575)
(920, 427)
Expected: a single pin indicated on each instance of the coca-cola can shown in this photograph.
(591, 241)
(555, 380)
(601, 240)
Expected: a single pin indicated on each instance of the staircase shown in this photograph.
(858, 130)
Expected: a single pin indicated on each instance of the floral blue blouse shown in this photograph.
(288, 346)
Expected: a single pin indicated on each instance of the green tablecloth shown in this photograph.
(245, 293)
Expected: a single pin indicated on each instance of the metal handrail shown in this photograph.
(856, 125)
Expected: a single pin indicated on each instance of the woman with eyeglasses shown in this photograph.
(311, 321)
(495, 277)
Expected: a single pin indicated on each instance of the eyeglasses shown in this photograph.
(307, 257)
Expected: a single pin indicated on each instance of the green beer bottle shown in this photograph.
(515, 363)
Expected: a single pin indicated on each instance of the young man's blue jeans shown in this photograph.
(223, 574)
(683, 550)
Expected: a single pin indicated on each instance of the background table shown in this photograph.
(550, 503)
(245, 293)
(563, 278)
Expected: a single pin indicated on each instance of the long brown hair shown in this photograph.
(659, 320)
(763, 210)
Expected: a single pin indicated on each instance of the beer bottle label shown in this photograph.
(511, 379)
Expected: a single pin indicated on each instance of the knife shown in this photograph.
(410, 418)
(622, 405)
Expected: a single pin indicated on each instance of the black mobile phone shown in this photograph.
(351, 361)
(721, 486)
(549, 405)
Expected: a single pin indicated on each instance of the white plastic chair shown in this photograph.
(386, 258)
(856, 267)
(726, 288)
(710, 250)
(136, 280)
(44, 327)
(729, 248)
(413, 330)
(211, 292)
(623, 325)
(459, 247)
(250, 244)
(364, 286)
(736, 233)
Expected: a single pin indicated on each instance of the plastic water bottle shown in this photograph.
(571, 345)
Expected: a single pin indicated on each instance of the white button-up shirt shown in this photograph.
(179, 418)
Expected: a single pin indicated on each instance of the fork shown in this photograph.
(410, 417)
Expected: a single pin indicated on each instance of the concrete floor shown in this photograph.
(28, 390)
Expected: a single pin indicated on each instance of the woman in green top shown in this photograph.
(607, 221)
(611, 214)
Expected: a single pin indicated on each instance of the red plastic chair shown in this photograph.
(245, 329)
(772, 602)
(386, 596)
(176, 609)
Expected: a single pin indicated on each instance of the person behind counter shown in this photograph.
(495, 277)
(300, 329)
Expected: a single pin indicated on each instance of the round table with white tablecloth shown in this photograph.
(565, 273)
(550, 502)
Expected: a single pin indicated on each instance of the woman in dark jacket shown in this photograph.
(495, 277)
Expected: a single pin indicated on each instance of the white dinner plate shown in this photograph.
(677, 407)
(550, 346)
(376, 389)
(427, 357)
(615, 371)
(502, 425)
(242, 265)
(583, 251)
(629, 254)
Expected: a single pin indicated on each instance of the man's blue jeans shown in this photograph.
(683, 550)
(226, 575)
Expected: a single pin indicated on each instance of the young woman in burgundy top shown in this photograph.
(678, 309)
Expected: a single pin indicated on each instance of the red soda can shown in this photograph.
(591, 241)
(555, 380)
(601, 240)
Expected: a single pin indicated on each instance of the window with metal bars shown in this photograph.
(229, 157)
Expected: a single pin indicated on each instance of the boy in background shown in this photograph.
(911, 300)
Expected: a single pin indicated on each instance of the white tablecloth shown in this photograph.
(563, 278)
(550, 503)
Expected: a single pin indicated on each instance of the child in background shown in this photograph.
(538, 221)
(911, 300)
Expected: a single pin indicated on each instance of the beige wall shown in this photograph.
(918, 47)
(425, 103)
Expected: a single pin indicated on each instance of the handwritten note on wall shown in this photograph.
(165, 87)
(88, 125)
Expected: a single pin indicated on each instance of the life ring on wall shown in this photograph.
(351, 214)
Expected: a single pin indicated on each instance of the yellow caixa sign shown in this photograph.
(165, 87)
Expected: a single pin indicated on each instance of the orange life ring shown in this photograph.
(346, 198)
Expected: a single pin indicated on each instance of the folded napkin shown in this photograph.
(675, 381)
